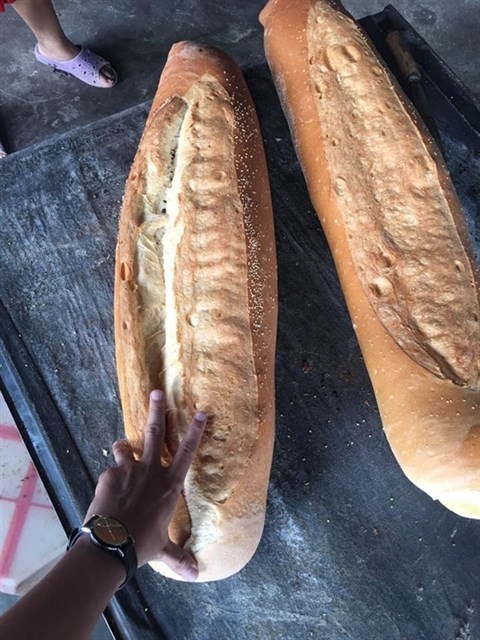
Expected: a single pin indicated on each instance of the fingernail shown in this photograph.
(192, 574)
(156, 395)
(200, 416)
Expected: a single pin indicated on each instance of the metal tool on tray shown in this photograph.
(396, 39)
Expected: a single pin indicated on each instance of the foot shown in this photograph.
(66, 51)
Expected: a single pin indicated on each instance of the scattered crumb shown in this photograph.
(305, 366)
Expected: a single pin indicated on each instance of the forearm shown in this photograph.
(68, 602)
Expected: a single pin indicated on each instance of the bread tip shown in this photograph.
(262, 16)
(187, 48)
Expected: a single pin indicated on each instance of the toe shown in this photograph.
(108, 77)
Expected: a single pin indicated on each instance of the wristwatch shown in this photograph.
(110, 535)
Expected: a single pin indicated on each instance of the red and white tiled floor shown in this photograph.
(31, 536)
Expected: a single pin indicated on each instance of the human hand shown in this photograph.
(143, 494)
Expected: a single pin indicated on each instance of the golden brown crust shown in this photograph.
(432, 425)
(195, 310)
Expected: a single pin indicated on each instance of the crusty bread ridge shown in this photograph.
(195, 299)
(398, 238)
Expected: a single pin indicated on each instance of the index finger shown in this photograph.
(188, 447)
(155, 428)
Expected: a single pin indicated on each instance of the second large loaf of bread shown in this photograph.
(398, 237)
(195, 299)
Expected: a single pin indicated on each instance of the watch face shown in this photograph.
(110, 531)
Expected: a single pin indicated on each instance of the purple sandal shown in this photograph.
(85, 66)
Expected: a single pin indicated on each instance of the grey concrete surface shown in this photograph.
(36, 104)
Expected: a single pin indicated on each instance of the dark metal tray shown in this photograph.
(351, 549)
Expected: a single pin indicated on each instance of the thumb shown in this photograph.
(180, 561)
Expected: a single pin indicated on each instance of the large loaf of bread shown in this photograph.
(195, 299)
(398, 237)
